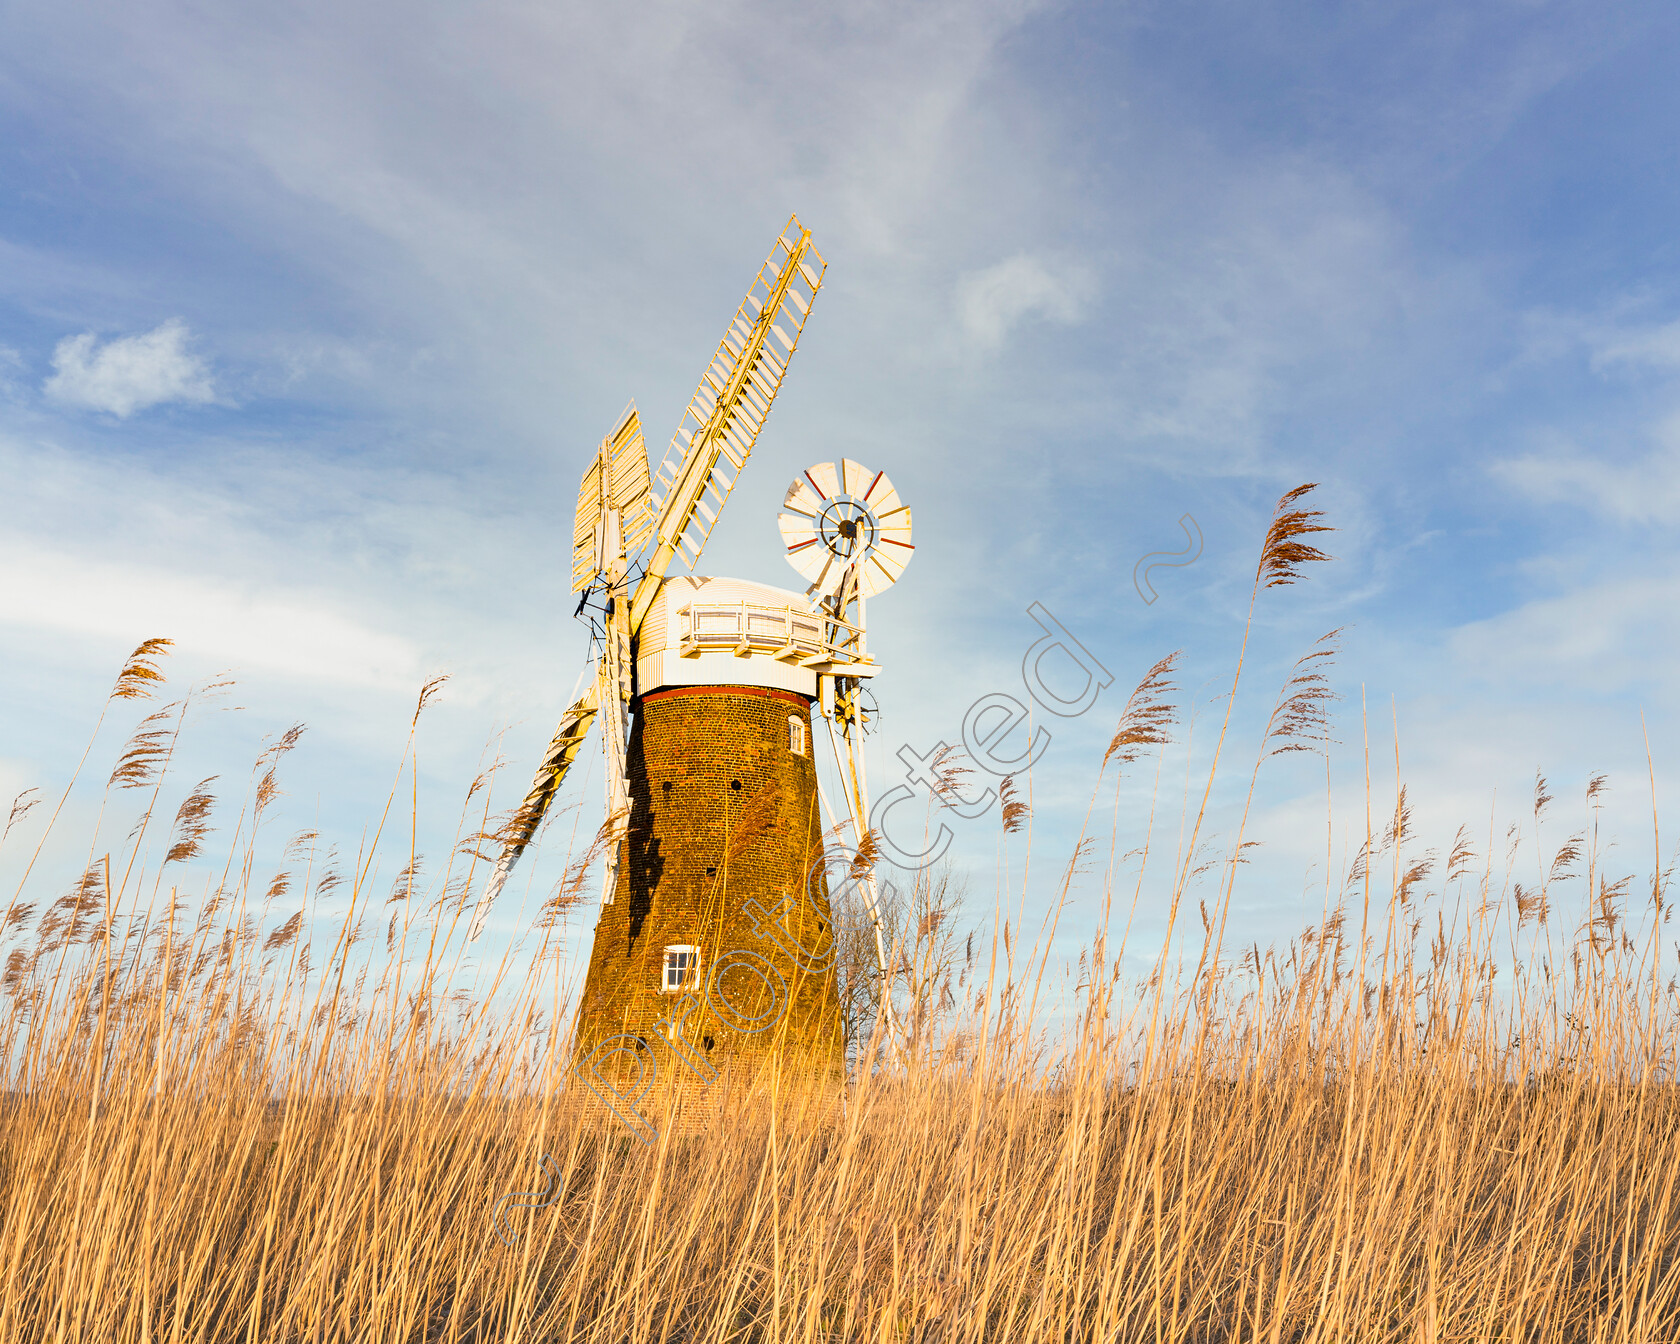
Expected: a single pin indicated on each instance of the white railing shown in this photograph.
(745, 628)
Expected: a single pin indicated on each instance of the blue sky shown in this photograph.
(310, 316)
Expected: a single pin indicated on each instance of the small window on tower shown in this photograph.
(682, 969)
(796, 735)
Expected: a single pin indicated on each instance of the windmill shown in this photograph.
(715, 936)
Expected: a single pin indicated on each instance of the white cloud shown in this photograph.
(290, 633)
(993, 300)
(1617, 338)
(130, 373)
(1656, 347)
(1608, 635)
(1646, 490)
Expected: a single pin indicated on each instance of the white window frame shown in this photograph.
(688, 978)
(799, 738)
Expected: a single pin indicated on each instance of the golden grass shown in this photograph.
(1427, 1119)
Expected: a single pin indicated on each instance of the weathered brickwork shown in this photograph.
(723, 854)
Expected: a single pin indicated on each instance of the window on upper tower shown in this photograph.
(796, 735)
(682, 969)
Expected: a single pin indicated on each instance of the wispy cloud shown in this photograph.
(278, 630)
(1644, 490)
(1598, 636)
(1623, 337)
(992, 301)
(1597, 466)
(130, 373)
(1653, 346)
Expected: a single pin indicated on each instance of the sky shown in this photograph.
(311, 316)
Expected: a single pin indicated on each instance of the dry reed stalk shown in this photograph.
(1475, 1146)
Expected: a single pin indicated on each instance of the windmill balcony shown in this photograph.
(715, 631)
(787, 634)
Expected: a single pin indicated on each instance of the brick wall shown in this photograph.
(724, 830)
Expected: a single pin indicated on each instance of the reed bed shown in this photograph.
(1446, 1111)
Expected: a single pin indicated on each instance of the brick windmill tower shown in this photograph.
(713, 957)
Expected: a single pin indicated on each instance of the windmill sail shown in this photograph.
(729, 407)
(556, 761)
(613, 700)
(619, 507)
(617, 479)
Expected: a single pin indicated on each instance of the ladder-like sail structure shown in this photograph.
(556, 761)
(616, 482)
(730, 405)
